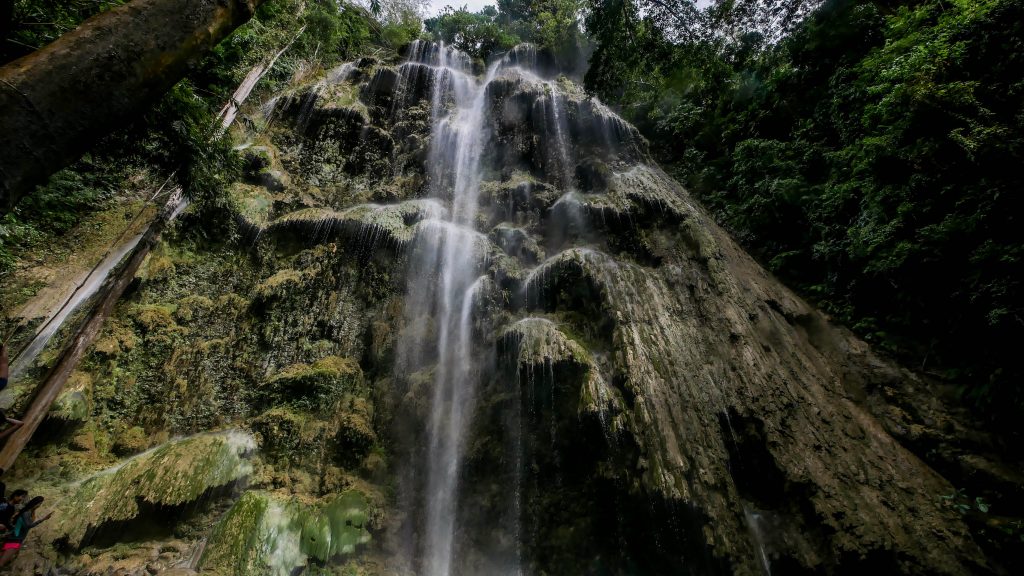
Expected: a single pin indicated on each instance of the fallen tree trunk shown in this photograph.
(113, 288)
(54, 103)
(110, 292)
(227, 114)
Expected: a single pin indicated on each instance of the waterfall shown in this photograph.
(448, 264)
(458, 138)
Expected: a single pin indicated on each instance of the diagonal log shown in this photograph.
(113, 288)
(55, 102)
(111, 292)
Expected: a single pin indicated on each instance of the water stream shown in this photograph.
(457, 105)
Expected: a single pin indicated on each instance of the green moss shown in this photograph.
(158, 267)
(252, 538)
(130, 441)
(344, 95)
(355, 434)
(538, 341)
(346, 519)
(191, 306)
(115, 339)
(263, 534)
(279, 284)
(154, 319)
(170, 475)
(319, 386)
(289, 435)
(73, 403)
(388, 224)
(252, 203)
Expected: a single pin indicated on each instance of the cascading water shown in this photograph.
(448, 264)
(458, 138)
(480, 284)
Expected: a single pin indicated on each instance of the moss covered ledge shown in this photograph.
(175, 473)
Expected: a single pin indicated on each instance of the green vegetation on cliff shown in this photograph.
(867, 153)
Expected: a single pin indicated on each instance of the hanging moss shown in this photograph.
(355, 434)
(391, 225)
(280, 284)
(170, 475)
(316, 387)
(538, 341)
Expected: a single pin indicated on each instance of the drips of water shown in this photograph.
(340, 73)
(754, 520)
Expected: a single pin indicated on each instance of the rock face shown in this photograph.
(693, 413)
(561, 362)
(175, 473)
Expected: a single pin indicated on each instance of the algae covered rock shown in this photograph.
(539, 342)
(252, 204)
(355, 434)
(280, 284)
(365, 225)
(266, 534)
(73, 403)
(175, 473)
(282, 432)
(319, 386)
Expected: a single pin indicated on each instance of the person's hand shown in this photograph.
(48, 514)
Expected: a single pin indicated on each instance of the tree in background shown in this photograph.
(553, 25)
(864, 151)
(177, 134)
(479, 34)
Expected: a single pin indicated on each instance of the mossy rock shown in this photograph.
(264, 534)
(355, 436)
(537, 342)
(73, 403)
(191, 307)
(318, 386)
(369, 225)
(158, 267)
(290, 435)
(170, 475)
(254, 537)
(280, 284)
(252, 204)
(131, 441)
(155, 321)
(115, 339)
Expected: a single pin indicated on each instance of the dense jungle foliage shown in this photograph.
(867, 152)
